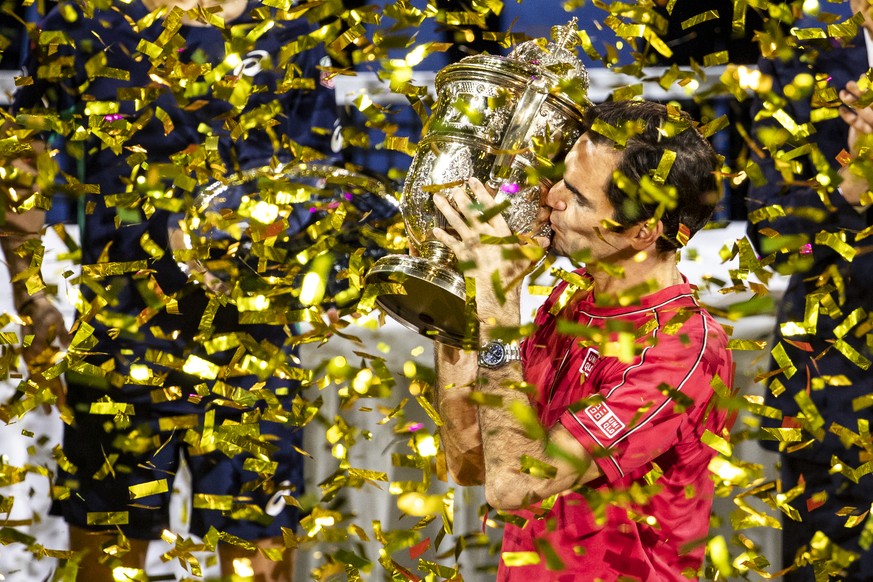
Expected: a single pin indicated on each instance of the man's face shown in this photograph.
(579, 205)
(864, 7)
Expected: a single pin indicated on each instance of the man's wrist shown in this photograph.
(23, 301)
(452, 354)
(493, 313)
(498, 353)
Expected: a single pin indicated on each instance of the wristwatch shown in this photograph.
(497, 353)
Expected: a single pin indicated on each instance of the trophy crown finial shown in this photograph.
(556, 58)
(565, 35)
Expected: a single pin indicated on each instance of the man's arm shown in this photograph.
(460, 436)
(521, 468)
(523, 463)
(21, 245)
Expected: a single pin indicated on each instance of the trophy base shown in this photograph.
(434, 303)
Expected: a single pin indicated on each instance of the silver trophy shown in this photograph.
(504, 120)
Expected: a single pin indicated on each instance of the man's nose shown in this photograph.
(552, 196)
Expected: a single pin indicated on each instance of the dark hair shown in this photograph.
(650, 129)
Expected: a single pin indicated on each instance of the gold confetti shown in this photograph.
(698, 19)
(520, 558)
(107, 518)
(146, 489)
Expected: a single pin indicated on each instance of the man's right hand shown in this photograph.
(44, 335)
(860, 122)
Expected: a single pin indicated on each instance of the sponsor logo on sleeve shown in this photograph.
(277, 502)
(590, 360)
(251, 65)
(605, 419)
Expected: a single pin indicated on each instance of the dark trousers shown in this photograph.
(797, 536)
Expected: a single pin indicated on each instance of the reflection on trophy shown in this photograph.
(255, 236)
(504, 120)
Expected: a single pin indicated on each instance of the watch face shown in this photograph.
(492, 354)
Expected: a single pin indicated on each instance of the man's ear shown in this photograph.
(646, 234)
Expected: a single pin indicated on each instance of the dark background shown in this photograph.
(534, 18)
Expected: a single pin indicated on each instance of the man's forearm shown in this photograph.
(504, 440)
(17, 230)
(524, 461)
(461, 439)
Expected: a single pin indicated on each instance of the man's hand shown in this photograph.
(491, 253)
(860, 122)
(47, 334)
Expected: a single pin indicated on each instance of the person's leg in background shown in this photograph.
(111, 520)
(260, 511)
(826, 515)
(242, 562)
(89, 546)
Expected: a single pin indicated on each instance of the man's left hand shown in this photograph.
(484, 246)
(48, 336)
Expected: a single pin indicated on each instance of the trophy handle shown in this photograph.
(517, 130)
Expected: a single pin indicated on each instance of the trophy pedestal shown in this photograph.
(434, 303)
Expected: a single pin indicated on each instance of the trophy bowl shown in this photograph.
(505, 121)
(256, 235)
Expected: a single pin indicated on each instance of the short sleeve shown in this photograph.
(643, 409)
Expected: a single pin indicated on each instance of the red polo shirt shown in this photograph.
(633, 384)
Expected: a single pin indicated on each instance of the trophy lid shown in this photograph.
(552, 66)
(557, 57)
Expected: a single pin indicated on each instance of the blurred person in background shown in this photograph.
(821, 350)
(44, 331)
(147, 93)
(18, 227)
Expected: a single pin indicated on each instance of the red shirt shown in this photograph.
(633, 385)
